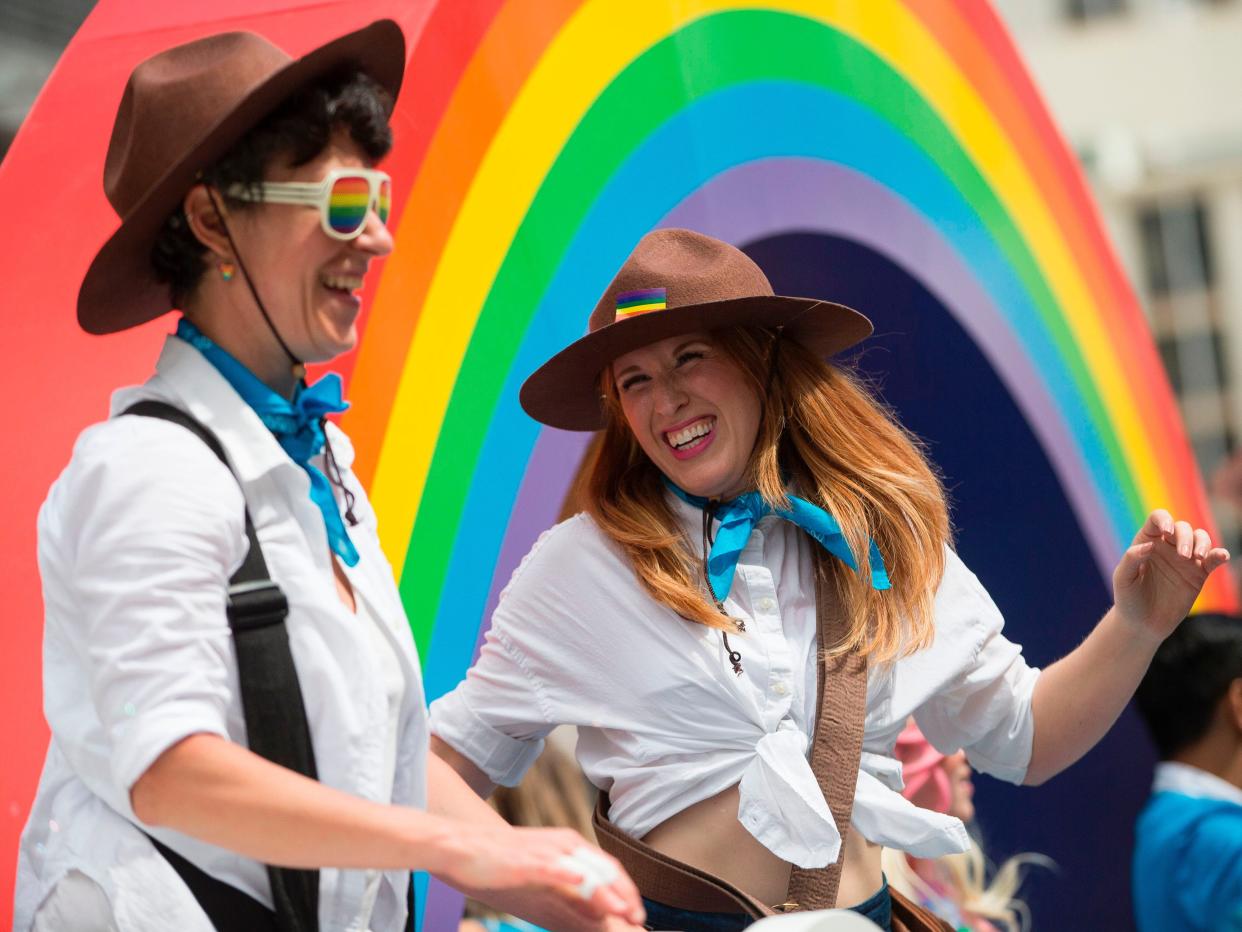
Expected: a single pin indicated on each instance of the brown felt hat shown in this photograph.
(182, 110)
(676, 281)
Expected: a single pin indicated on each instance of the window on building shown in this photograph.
(1084, 10)
(1175, 247)
(1188, 324)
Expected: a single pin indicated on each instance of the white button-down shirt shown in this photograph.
(137, 541)
(664, 722)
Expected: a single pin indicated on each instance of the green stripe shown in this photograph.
(706, 56)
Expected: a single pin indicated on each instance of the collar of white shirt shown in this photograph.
(1173, 777)
(183, 374)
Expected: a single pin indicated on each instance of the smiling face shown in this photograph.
(693, 411)
(308, 282)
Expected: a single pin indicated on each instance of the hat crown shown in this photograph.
(175, 97)
(690, 267)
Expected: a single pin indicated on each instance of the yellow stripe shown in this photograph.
(640, 309)
(600, 40)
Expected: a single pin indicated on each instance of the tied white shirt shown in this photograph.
(137, 541)
(663, 721)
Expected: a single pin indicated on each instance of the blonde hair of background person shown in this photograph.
(956, 886)
(964, 876)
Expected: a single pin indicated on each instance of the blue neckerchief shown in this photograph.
(297, 425)
(738, 518)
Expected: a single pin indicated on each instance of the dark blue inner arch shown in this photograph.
(1015, 529)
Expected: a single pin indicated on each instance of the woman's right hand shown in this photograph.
(485, 857)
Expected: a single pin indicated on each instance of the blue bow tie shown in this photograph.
(738, 518)
(297, 425)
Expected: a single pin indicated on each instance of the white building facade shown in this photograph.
(1149, 94)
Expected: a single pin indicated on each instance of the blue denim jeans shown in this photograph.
(877, 908)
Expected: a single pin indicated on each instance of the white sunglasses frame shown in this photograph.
(316, 194)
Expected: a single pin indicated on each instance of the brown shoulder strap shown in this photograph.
(837, 743)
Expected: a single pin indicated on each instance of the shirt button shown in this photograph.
(780, 689)
(767, 604)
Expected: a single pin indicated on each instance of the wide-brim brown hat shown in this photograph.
(182, 110)
(674, 282)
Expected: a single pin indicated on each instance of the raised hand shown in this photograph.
(1161, 574)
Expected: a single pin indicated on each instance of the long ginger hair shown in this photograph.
(822, 434)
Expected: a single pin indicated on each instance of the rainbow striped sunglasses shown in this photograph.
(343, 197)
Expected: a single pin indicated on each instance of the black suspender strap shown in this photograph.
(276, 725)
(225, 905)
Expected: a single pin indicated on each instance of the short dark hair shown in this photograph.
(300, 129)
(1188, 677)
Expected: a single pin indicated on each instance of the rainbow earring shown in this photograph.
(227, 271)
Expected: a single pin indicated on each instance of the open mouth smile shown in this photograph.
(347, 284)
(690, 439)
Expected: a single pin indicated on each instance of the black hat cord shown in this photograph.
(709, 512)
(735, 657)
(298, 367)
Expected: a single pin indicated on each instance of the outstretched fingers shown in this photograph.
(1159, 524)
(1217, 556)
(1183, 539)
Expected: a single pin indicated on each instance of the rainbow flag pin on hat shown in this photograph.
(644, 301)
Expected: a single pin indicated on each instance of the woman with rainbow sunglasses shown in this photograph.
(239, 736)
(757, 526)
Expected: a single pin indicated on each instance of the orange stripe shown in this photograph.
(514, 43)
(639, 309)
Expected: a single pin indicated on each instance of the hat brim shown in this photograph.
(119, 290)
(564, 391)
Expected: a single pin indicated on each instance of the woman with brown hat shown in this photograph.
(760, 536)
(239, 735)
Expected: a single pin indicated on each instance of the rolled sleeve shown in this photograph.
(497, 717)
(500, 714)
(504, 759)
(984, 707)
(150, 528)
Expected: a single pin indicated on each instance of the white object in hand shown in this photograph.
(596, 870)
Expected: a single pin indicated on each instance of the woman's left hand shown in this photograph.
(1161, 574)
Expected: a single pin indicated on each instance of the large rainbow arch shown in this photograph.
(537, 140)
(551, 156)
(574, 127)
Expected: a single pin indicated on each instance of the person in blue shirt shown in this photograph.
(1188, 841)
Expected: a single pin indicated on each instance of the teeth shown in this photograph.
(688, 434)
(342, 282)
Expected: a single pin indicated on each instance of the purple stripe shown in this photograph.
(637, 298)
(552, 466)
(643, 295)
(773, 196)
